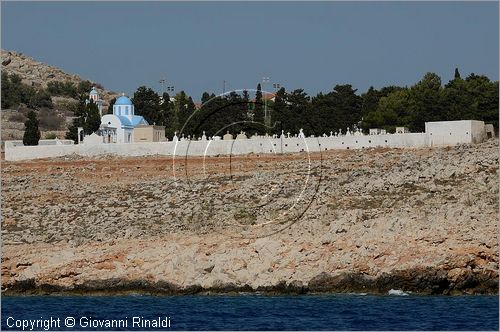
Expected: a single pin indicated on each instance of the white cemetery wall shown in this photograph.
(39, 151)
(220, 147)
(454, 132)
(437, 133)
(14, 143)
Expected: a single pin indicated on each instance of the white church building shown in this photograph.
(119, 126)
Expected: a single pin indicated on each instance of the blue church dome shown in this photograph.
(123, 100)
(93, 92)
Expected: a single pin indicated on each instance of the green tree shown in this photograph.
(426, 102)
(369, 101)
(38, 99)
(236, 113)
(168, 116)
(339, 109)
(72, 132)
(212, 116)
(83, 88)
(92, 118)
(245, 95)
(57, 88)
(183, 107)
(31, 131)
(5, 90)
(12, 90)
(297, 113)
(483, 96)
(393, 110)
(190, 125)
(348, 105)
(147, 103)
(205, 97)
(19, 93)
(87, 117)
(281, 114)
(456, 102)
(258, 110)
(110, 107)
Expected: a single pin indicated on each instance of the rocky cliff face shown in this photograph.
(422, 220)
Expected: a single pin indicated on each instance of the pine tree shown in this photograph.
(92, 118)
(168, 116)
(426, 102)
(87, 117)
(72, 132)
(147, 103)
(298, 104)
(245, 95)
(258, 112)
(205, 97)
(6, 93)
(210, 117)
(110, 107)
(280, 113)
(457, 74)
(31, 131)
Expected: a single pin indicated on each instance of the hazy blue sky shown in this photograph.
(314, 46)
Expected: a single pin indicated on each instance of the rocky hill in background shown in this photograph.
(38, 75)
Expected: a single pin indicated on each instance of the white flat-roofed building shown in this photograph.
(455, 132)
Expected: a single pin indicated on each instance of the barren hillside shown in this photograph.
(38, 75)
(421, 220)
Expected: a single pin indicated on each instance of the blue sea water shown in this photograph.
(254, 312)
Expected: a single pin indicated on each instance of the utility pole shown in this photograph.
(162, 83)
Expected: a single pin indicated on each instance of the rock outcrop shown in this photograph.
(419, 220)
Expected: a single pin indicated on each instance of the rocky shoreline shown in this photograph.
(427, 282)
(418, 220)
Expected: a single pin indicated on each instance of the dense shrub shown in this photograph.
(65, 89)
(50, 136)
(14, 93)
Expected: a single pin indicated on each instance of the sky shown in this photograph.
(197, 45)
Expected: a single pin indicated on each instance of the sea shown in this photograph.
(395, 311)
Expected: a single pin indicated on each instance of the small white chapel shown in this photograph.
(119, 126)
